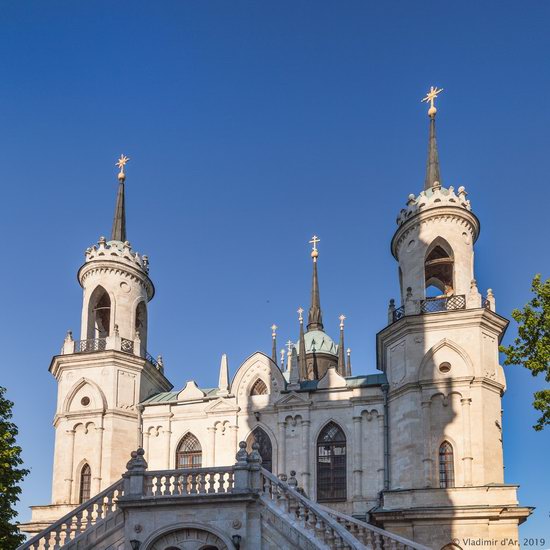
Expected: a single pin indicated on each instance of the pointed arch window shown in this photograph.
(85, 483)
(189, 452)
(446, 466)
(259, 436)
(99, 314)
(331, 464)
(141, 323)
(438, 269)
(259, 388)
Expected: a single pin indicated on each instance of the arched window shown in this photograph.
(331, 464)
(446, 466)
(438, 269)
(141, 323)
(99, 314)
(259, 388)
(259, 436)
(85, 483)
(189, 453)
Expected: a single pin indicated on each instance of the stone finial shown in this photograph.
(242, 455)
(283, 477)
(102, 241)
(69, 336)
(292, 481)
(137, 462)
(411, 200)
(255, 457)
(160, 363)
(409, 293)
(490, 302)
(116, 331)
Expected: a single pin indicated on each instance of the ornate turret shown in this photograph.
(116, 282)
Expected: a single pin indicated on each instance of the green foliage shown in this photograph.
(10, 476)
(532, 346)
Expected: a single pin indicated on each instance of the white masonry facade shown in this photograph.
(415, 449)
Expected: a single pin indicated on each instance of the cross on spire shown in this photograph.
(300, 316)
(289, 345)
(431, 97)
(274, 330)
(121, 163)
(342, 319)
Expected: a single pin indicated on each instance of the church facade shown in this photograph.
(415, 449)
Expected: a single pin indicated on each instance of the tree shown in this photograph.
(10, 476)
(532, 346)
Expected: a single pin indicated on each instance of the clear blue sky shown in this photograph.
(252, 125)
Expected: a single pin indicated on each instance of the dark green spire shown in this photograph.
(432, 165)
(315, 316)
(119, 220)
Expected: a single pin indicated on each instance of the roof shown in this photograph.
(319, 341)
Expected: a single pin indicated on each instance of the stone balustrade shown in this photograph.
(194, 481)
(371, 536)
(84, 517)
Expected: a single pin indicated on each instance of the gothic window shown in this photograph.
(85, 483)
(446, 466)
(141, 323)
(438, 268)
(99, 314)
(259, 388)
(266, 450)
(189, 453)
(331, 464)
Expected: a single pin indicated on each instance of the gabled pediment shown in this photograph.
(191, 392)
(292, 399)
(222, 406)
(332, 379)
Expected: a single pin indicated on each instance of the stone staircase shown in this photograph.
(288, 518)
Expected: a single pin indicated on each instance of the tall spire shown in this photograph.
(432, 165)
(223, 380)
(315, 317)
(341, 353)
(274, 343)
(302, 347)
(119, 220)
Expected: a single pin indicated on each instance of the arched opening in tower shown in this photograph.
(99, 314)
(438, 269)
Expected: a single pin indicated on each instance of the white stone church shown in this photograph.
(295, 451)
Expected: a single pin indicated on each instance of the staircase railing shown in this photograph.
(189, 481)
(78, 520)
(371, 536)
(309, 515)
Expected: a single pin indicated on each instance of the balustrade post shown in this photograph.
(134, 476)
(241, 482)
(68, 344)
(255, 464)
(137, 345)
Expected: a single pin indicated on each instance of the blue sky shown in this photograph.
(251, 126)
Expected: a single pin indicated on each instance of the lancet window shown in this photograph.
(189, 452)
(259, 388)
(259, 436)
(438, 268)
(85, 483)
(331, 464)
(99, 314)
(446, 466)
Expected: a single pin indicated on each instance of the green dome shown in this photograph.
(319, 341)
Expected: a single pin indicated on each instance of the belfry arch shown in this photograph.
(99, 314)
(439, 268)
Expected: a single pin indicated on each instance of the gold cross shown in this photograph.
(342, 319)
(300, 311)
(289, 345)
(121, 162)
(274, 330)
(315, 239)
(431, 96)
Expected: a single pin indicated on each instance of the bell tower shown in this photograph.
(104, 376)
(440, 354)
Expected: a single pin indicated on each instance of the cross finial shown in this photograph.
(300, 316)
(430, 97)
(274, 330)
(349, 351)
(289, 345)
(342, 319)
(282, 357)
(314, 252)
(121, 163)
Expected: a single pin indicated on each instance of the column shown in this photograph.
(146, 437)
(70, 467)
(234, 441)
(306, 469)
(98, 458)
(381, 459)
(281, 460)
(211, 450)
(357, 470)
(426, 436)
(468, 458)
(167, 441)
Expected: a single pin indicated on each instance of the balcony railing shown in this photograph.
(446, 303)
(91, 345)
